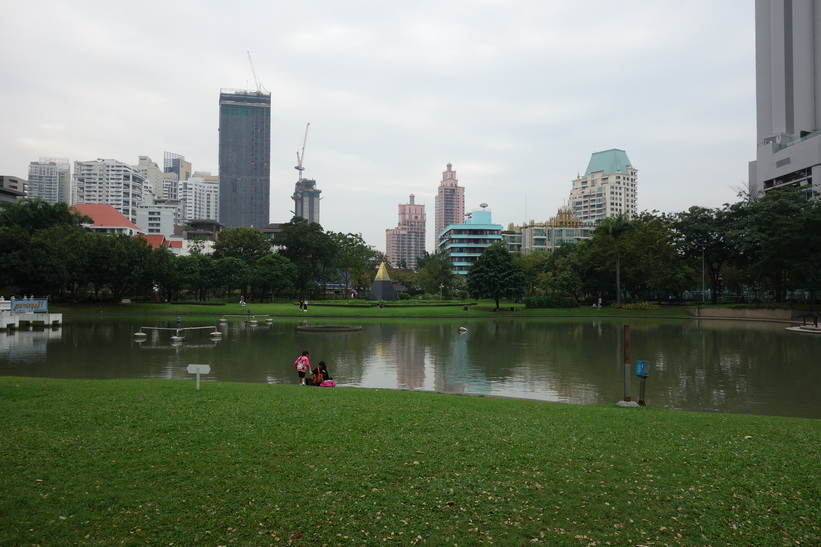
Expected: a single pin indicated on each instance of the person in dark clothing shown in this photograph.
(320, 373)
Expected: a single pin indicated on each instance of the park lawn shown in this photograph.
(155, 461)
(359, 308)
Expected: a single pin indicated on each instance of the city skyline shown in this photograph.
(516, 96)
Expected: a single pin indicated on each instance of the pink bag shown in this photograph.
(301, 365)
(328, 383)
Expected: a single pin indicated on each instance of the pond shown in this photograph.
(700, 365)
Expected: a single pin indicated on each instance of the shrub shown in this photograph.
(639, 306)
(544, 301)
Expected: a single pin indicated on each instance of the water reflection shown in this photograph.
(697, 365)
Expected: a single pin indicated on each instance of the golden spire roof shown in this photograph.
(382, 274)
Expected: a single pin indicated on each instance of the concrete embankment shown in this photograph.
(752, 314)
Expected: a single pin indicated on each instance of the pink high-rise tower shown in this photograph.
(406, 242)
(450, 202)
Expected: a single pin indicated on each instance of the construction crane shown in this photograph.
(259, 85)
(301, 156)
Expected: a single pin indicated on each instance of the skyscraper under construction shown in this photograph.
(306, 194)
(244, 158)
(306, 200)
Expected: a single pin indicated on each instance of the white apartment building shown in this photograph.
(200, 198)
(607, 189)
(109, 181)
(160, 217)
(560, 230)
(50, 180)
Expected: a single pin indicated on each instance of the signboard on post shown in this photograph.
(199, 369)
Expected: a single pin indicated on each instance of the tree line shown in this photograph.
(757, 249)
(754, 249)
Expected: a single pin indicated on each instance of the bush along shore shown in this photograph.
(155, 461)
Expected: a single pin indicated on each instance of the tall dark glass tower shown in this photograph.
(244, 158)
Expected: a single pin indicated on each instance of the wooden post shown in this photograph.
(627, 363)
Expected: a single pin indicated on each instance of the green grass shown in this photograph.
(154, 461)
(336, 308)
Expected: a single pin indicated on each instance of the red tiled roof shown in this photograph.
(104, 214)
(155, 241)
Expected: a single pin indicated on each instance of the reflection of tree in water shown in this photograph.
(558, 357)
(350, 355)
(410, 360)
(724, 366)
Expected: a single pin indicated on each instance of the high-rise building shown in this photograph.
(406, 242)
(109, 181)
(306, 200)
(199, 198)
(244, 158)
(607, 189)
(450, 201)
(152, 174)
(50, 180)
(466, 241)
(176, 164)
(788, 104)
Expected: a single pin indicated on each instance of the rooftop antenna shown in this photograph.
(259, 85)
(301, 156)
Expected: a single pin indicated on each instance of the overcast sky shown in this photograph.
(516, 94)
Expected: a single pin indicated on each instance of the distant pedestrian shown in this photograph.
(302, 365)
(305, 306)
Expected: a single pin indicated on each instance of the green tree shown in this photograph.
(808, 262)
(308, 247)
(496, 275)
(353, 257)
(701, 235)
(14, 241)
(246, 244)
(771, 235)
(231, 273)
(161, 274)
(655, 268)
(35, 214)
(535, 267)
(187, 275)
(196, 273)
(406, 278)
(273, 274)
(608, 242)
(117, 262)
(436, 275)
(568, 267)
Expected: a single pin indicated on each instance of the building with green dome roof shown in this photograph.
(607, 188)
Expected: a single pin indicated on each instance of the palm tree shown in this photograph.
(611, 231)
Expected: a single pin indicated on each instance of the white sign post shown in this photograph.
(198, 369)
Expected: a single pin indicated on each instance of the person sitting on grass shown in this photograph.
(320, 373)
